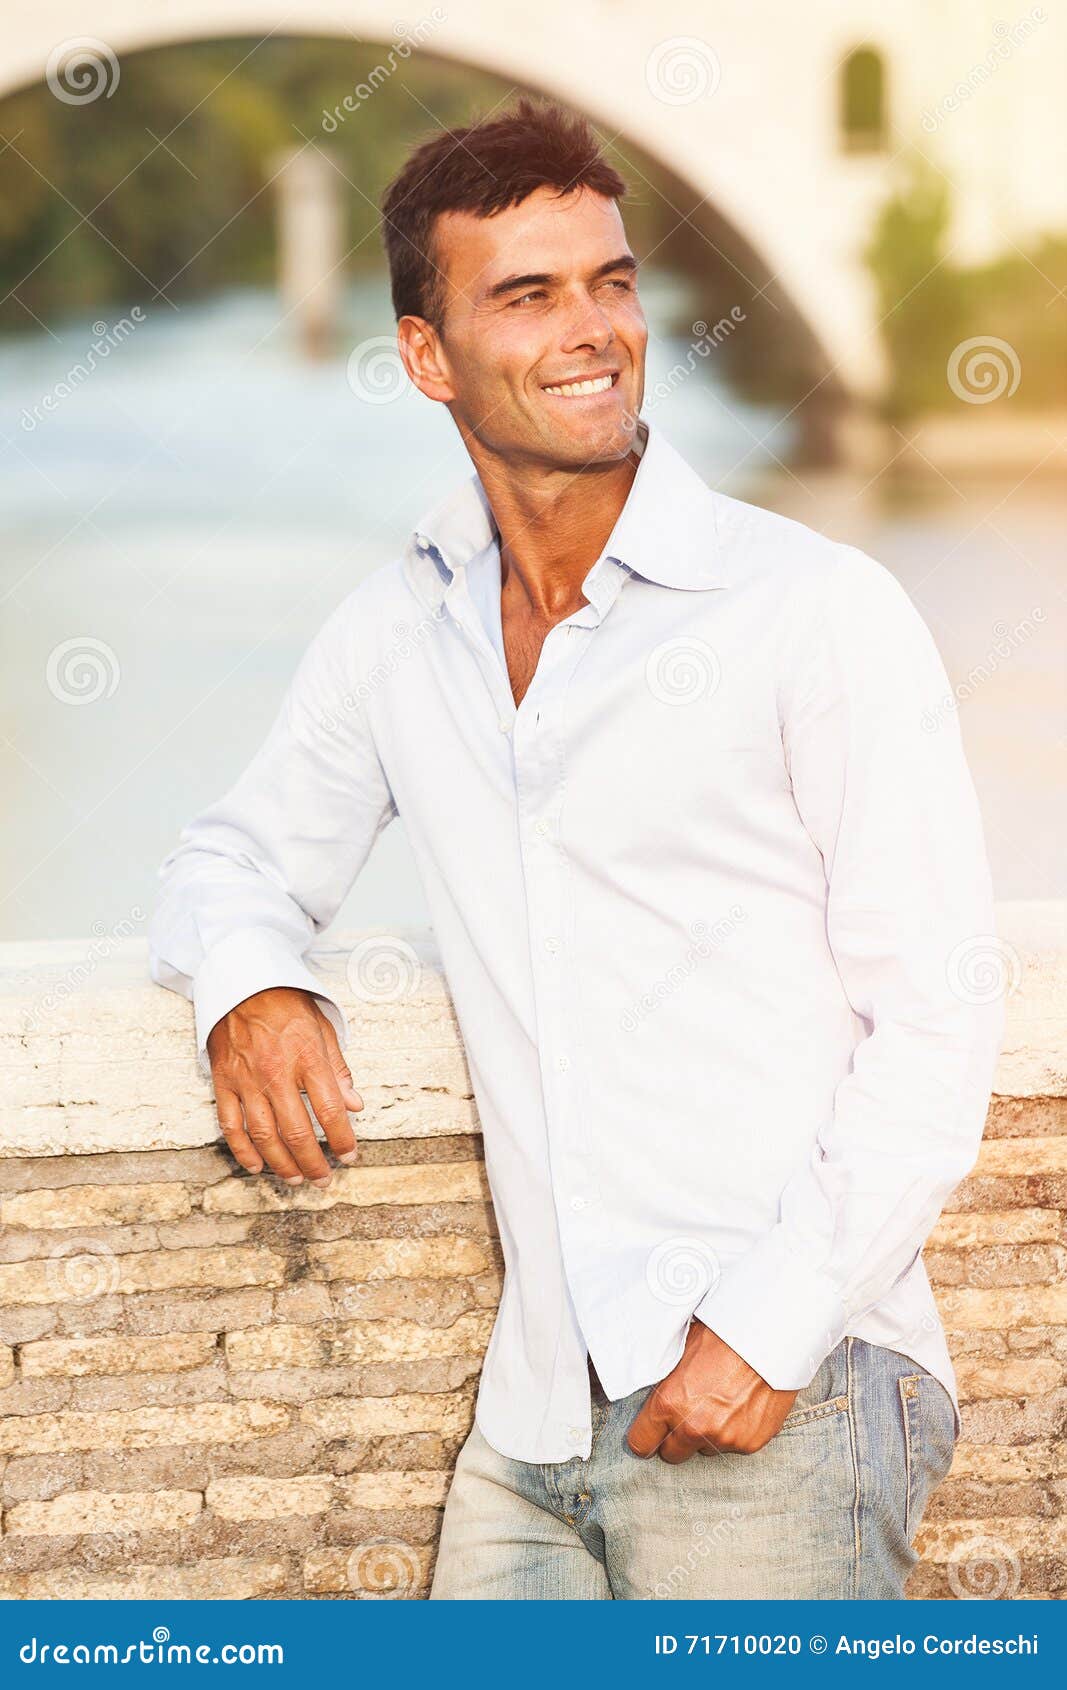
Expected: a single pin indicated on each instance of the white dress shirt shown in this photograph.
(714, 908)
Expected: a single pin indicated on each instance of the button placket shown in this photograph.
(539, 773)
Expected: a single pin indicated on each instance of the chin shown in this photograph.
(603, 442)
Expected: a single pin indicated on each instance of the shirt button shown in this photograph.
(542, 828)
(505, 727)
(579, 1202)
(552, 944)
(563, 1063)
(576, 1431)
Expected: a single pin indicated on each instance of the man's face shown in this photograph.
(541, 297)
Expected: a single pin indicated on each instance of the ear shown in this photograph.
(424, 358)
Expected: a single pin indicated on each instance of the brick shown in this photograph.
(141, 1428)
(7, 1365)
(100, 1392)
(119, 1354)
(36, 1477)
(315, 1493)
(383, 1567)
(34, 1396)
(95, 1205)
(1044, 1305)
(193, 1167)
(1013, 1156)
(357, 1341)
(1016, 1226)
(80, 1277)
(397, 1258)
(997, 1265)
(958, 1540)
(958, 1499)
(158, 1312)
(395, 1490)
(1040, 1191)
(420, 1182)
(20, 1326)
(372, 1417)
(237, 1578)
(104, 1511)
(1026, 1420)
(979, 1379)
(295, 1304)
(1025, 1117)
(268, 1499)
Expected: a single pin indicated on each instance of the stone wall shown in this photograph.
(213, 1386)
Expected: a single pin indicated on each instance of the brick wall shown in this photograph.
(213, 1386)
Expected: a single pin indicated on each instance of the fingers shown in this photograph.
(297, 1133)
(340, 1069)
(262, 1129)
(232, 1124)
(649, 1427)
(327, 1100)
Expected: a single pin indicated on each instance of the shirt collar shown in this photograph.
(666, 530)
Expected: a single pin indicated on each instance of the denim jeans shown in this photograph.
(828, 1508)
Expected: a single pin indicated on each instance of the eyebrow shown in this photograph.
(625, 261)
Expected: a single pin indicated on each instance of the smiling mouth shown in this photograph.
(583, 389)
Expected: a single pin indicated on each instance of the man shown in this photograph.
(708, 896)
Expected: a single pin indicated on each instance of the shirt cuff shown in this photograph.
(249, 961)
(777, 1312)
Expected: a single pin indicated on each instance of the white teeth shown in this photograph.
(575, 389)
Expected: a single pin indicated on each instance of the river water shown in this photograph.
(178, 524)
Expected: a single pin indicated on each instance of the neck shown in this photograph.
(553, 524)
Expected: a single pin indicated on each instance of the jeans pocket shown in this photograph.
(929, 1441)
(826, 1394)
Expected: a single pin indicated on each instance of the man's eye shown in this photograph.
(535, 293)
(622, 283)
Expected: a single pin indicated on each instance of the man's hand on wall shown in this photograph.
(712, 1402)
(263, 1054)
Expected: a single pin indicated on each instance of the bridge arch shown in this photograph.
(759, 158)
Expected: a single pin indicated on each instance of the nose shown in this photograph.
(591, 327)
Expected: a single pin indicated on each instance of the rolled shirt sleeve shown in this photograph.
(881, 783)
(260, 872)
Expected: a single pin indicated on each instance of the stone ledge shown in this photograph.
(95, 1057)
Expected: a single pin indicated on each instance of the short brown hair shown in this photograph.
(485, 167)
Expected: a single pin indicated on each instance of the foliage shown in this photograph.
(928, 304)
